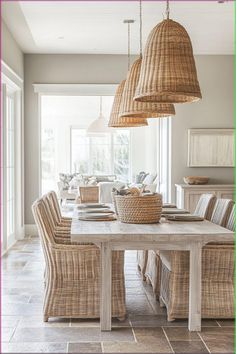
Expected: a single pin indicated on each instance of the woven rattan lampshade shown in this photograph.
(123, 122)
(131, 108)
(168, 72)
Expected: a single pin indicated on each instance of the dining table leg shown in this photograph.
(195, 287)
(105, 294)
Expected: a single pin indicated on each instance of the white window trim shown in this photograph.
(14, 85)
(169, 157)
(10, 78)
(75, 89)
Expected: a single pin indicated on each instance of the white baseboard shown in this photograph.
(20, 233)
(31, 230)
(11, 241)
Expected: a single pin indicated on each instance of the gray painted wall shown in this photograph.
(215, 110)
(11, 52)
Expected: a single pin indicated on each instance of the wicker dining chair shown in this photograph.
(142, 257)
(205, 206)
(72, 284)
(60, 220)
(221, 211)
(89, 194)
(204, 209)
(231, 220)
(217, 278)
(61, 232)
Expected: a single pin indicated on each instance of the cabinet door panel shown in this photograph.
(227, 195)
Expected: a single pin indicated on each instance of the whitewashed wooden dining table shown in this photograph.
(174, 235)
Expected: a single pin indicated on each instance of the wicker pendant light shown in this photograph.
(123, 122)
(168, 72)
(131, 108)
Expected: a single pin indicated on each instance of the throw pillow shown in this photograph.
(149, 179)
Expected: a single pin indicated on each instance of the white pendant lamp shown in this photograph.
(99, 125)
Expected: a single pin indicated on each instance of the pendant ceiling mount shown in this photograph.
(168, 72)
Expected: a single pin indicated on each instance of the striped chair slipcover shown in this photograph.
(204, 209)
(217, 274)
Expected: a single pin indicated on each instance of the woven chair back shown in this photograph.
(89, 194)
(50, 212)
(43, 222)
(231, 221)
(205, 206)
(51, 206)
(222, 211)
(54, 201)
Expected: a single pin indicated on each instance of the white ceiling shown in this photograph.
(96, 27)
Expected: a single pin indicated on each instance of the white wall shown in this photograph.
(11, 52)
(215, 110)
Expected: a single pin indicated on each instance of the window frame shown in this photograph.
(12, 89)
(112, 172)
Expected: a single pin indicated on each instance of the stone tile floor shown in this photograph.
(145, 330)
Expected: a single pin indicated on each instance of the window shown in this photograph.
(48, 158)
(12, 200)
(99, 155)
(66, 147)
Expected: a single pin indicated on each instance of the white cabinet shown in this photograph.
(187, 196)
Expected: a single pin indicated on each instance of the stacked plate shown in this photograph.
(169, 205)
(183, 217)
(174, 211)
(95, 212)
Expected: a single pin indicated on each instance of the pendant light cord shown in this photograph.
(140, 28)
(128, 46)
(128, 23)
(167, 9)
(100, 106)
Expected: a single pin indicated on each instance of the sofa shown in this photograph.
(69, 183)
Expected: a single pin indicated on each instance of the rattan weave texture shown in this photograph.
(168, 72)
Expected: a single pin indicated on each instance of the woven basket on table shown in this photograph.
(139, 209)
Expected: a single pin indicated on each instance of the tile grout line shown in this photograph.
(135, 339)
(14, 330)
(204, 342)
(167, 339)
